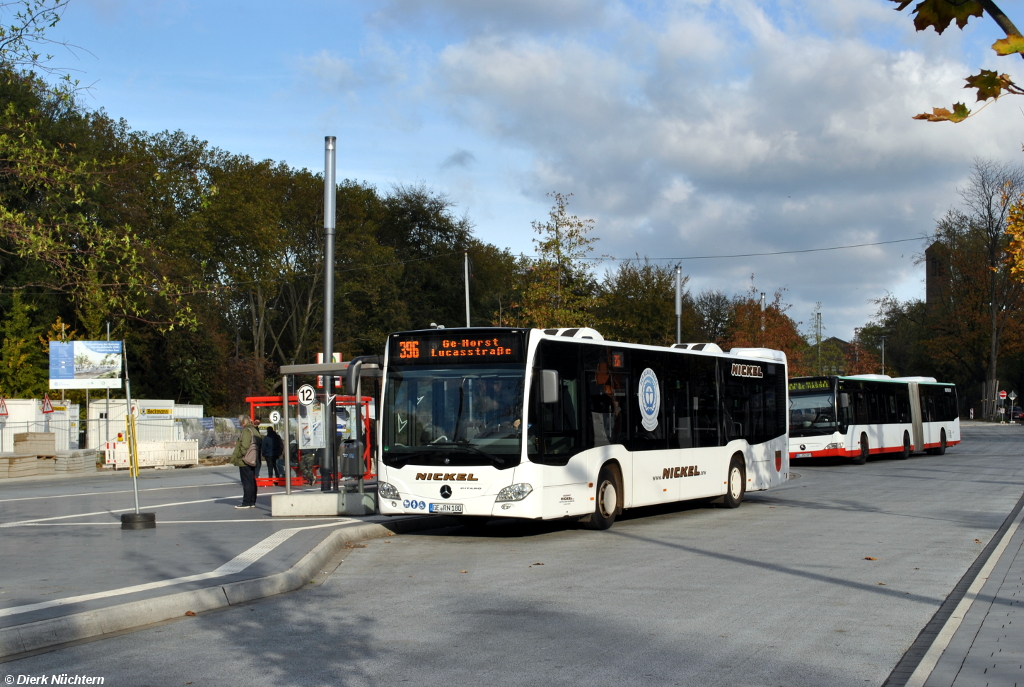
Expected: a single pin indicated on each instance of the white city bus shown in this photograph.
(862, 415)
(542, 424)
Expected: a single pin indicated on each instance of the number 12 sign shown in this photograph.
(307, 395)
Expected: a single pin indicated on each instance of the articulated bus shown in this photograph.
(861, 415)
(542, 424)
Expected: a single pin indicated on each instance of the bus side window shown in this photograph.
(860, 407)
(703, 375)
(903, 405)
(678, 401)
(559, 429)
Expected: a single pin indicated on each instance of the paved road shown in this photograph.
(61, 538)
(779, 592)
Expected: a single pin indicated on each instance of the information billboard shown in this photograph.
(85, 364)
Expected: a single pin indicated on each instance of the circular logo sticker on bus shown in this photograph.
(650, 399)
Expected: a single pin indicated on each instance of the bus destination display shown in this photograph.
(811, 385)
(425, 349)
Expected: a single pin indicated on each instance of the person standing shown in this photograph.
(249, 435)
(271, 450)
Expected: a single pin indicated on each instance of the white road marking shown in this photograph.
(171, 522)
(235, 565)
(123, 491)
(931, 658)
(107, 512)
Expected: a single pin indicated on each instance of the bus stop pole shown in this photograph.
(287, 452)
(330, 200)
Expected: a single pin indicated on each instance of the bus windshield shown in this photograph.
(812, 414)
(456, 416)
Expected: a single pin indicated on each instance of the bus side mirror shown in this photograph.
(549, 386)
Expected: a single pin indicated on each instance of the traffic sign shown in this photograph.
(1002, 394)
(1013, 395)
(307, 395)
(3, 407)
(47, 406)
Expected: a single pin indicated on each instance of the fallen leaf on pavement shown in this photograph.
(870, 558)
(190, 613)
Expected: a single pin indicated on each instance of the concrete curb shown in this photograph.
(41, 634)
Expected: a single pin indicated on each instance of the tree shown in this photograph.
(752, 327)
(939, 14)
(426, 235)
(637, 304)
(555, 289)
(22, 367)
(979, 298)
(714, 315)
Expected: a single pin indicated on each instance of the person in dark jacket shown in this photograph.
(271, 450)
(247, 473)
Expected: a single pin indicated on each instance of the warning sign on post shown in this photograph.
(47, 406)
(3, 408)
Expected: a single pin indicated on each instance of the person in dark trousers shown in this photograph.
(271, 450)
(247, 473)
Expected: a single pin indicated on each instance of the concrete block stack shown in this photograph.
(71, 462)
(22, 467)
(46, 466)
(35, 444)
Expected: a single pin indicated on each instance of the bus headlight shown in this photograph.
(387, 491)
(515, 492)
(831, 446)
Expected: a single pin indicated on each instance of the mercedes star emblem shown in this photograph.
(803, 447)
(446, 492)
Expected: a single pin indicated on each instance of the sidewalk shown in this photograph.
(985, 634)
(69, 572)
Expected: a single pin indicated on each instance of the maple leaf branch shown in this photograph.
(1001, 19)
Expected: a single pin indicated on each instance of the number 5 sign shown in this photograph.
(307, 395)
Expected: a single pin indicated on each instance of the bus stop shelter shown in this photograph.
(308, 425)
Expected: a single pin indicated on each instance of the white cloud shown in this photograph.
(798, 139)
(331, 70)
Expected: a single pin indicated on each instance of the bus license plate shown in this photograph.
(803, 455)
(446, 508)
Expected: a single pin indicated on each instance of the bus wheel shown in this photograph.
(906, 447)
(737, 485)
(942, 443)
(607, 501)
(862, 457)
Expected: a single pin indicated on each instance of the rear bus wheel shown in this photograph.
(942, 443)
(608, 501)
(736, 484)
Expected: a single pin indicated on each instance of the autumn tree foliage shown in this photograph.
(555, 289)
(987, 84)
(752, 327)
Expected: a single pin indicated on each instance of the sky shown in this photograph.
(684, 129)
